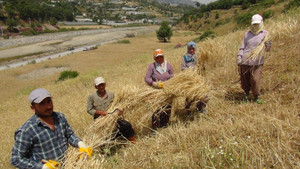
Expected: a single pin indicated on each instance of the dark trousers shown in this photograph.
(251, 78)
(161, 117)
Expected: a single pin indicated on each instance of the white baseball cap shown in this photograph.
(98, 81)
(38, 95)
(256, 19)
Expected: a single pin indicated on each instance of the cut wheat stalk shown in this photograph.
(275, 31)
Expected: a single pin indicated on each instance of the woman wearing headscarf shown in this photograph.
(251, 67)
(190, 59)
(159, 71)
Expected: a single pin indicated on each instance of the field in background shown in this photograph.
(229, 135)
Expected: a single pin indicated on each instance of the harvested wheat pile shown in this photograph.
(138, 105)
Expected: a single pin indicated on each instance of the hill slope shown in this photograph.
(229, 135)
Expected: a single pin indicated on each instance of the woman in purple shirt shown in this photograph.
(251, 69)
(159, 71)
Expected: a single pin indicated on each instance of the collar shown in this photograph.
(100, 95)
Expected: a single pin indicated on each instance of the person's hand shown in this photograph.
(268, 45)
(101, 113)
(50, 164)
(239, 61)
(157, 85)
(120, 112)
(83, 148)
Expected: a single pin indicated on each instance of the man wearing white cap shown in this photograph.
(43, 139)
(251, 68)
(99, 102)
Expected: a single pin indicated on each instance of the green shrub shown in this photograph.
(29, 32)
(53, 21)
(245, 4)
(67, 74)
(292, 5)
(268, 14)
(123, 41)
(164, 32)
(206, 22)
(244, 19)
(130, 35)
(267, 3)
(205, 35)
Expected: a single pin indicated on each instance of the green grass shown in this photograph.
(19, 57)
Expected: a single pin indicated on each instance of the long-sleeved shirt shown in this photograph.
(152, 75)
(35, 141)
(96, 102)
(250, 42)
(190, 64)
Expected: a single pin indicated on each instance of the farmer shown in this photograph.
(190, 59)
(43, 139)
(159, 71)
(251, 68)
(98, 104)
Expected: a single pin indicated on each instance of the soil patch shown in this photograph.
(40, 73)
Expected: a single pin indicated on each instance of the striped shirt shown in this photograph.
(35, 141)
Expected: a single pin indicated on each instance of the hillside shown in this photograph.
(185, 2)
(224, 17)
(230, 135)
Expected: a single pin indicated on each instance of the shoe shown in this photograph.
(246, 99)
(259, 101)
(202, 111)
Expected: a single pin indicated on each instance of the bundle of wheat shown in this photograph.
(275, 30)
(97, 135)
(139, 105)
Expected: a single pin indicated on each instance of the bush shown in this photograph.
(53, 21)
(67, 74)
(268, 14)
(267, 3)
(292, 5)
(244, 19)
(205, 35)
(245, 4)
(130, 35)
(206, 22)
(123, 41)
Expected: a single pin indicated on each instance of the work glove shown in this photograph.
(157, 85)
(239, 61)
(51, 165)
(83, 148)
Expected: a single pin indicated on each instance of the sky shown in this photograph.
(205, 1)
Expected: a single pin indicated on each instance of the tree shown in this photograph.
(164, 32)
(198, 4)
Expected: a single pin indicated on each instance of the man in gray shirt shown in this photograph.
(99, 102)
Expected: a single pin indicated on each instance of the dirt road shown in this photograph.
(43, 45)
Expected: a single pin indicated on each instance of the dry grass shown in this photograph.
(230, 135)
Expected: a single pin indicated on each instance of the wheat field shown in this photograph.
(230, 135)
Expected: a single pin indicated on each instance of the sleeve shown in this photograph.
(183, 64)
(242, 47)
(90, 106)
(196, 60)
(171, 71)
(22, 146)
(72, 138)
(148, 77)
